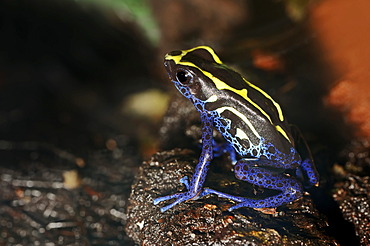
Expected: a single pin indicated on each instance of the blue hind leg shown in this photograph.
(247, 170)
(308, 168)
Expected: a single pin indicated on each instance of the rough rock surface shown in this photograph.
(206, 221)
(352, 191)
(48, 199)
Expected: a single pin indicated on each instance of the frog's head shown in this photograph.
(211, 86)
(190, 71)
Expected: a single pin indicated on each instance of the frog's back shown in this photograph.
(249, 109)
(245, 111)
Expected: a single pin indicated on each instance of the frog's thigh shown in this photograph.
(247, 170)
(308, 167)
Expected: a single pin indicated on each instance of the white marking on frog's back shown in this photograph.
(241, 134)
(212, 98)
(241, 116)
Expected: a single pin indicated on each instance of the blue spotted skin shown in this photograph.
(259, 139)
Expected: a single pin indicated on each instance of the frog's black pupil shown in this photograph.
(182, 77)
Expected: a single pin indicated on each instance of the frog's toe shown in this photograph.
(185, 181)
(236, 206)
(179, 200)
(250, 203)
(181, 197)
(165, 198)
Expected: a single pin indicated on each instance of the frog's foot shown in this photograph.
(247, 170)
(180, 197)
(185, 181)
(289, 195)
(310, 172)
(269, 202)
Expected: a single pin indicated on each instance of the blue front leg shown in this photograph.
(200, 173)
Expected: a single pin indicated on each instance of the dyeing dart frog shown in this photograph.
(260, 140)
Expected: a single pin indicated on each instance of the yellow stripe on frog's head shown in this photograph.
(177, 56)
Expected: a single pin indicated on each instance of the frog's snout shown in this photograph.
(169, 65)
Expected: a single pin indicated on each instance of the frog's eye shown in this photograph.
(183, 77)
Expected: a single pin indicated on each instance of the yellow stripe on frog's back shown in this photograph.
(221, 85)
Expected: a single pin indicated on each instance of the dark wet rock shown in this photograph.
(352, 191)
(38, 206)
(356, 157)
(353, 196)
(207, 221)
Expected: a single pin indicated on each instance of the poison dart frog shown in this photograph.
(251, 122)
